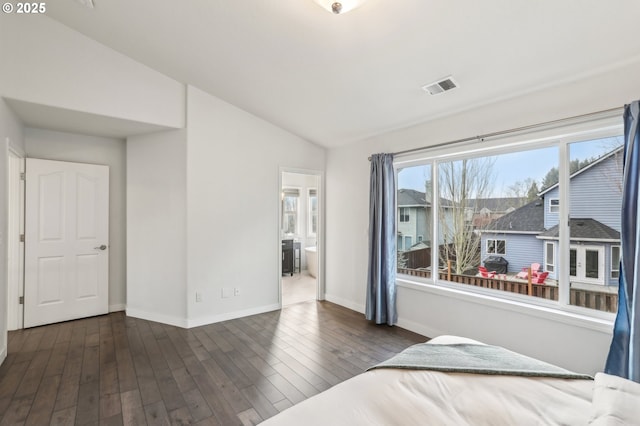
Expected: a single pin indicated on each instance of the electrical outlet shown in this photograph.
(198, 297)
(236, 291)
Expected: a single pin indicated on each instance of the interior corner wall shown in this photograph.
(44, 62)
(233, 166)
(436, 312)
(60, 146)
(156, 227)
(11, 135)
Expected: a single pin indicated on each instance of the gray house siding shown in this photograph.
(596, 194)
(421, 226)
(414, 228)
(521, 249)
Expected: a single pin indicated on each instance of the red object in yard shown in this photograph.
(539, 278)
(486, 274)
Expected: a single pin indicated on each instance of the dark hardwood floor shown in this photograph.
(113, 370)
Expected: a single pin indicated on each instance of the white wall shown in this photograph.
(156, 227)
(47, 63)
(50, 145)
(11, 135)
(434, 311)
(233, 161)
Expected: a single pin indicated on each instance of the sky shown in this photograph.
(518, 166)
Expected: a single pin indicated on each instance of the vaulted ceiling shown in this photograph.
(335, 79)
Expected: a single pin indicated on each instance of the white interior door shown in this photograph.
(66, 241)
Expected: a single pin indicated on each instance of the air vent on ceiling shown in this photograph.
(440, 86)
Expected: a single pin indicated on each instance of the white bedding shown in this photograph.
(422, 397)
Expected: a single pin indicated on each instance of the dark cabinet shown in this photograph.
(290, 256)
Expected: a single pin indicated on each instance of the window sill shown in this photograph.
(544, 312)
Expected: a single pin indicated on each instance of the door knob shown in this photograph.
(102, 247)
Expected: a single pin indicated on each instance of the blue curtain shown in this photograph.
(381, 280)
(624, 354)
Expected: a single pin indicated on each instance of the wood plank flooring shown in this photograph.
(116, 370)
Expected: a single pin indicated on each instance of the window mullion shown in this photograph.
(564, 286)
(435, 219)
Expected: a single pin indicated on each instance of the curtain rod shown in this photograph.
(506, 132)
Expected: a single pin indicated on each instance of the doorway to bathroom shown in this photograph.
(300, 236)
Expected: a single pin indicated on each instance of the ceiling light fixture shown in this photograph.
(339, 7)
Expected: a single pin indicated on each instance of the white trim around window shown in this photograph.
(312, 212)
(549, 257)
(557, 137)
(499, 246)
(615, 262)
(404, 213)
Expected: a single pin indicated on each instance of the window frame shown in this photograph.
(296, 212)
(554, 207)
(311, 212)
(404, 217)
(495, 244)
(616, 264)
(560, 136)
(550, 267)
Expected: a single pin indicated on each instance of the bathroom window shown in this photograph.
(312, 219)
(290, 197)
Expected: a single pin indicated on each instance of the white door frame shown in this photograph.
(320, 282)
(581, 260)
(15, 247)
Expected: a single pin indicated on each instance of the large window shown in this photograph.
(501, 206)
(290, 198)
(312, 220)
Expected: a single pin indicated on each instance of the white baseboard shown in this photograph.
(418, 328)
(3, 354)
(211, 319)
(117, 307)
(196, 322)
(156, 317)
(346, 303)
(403, 323)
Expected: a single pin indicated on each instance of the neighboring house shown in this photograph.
(513, 236)
(486, 210)
(530, 234)
(414, 216)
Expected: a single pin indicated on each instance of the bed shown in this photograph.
(522, 391)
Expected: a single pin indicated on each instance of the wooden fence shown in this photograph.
(420, 258)
(601, 301)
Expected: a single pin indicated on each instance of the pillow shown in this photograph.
(616, 401)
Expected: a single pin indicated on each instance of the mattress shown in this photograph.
(423, 397)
